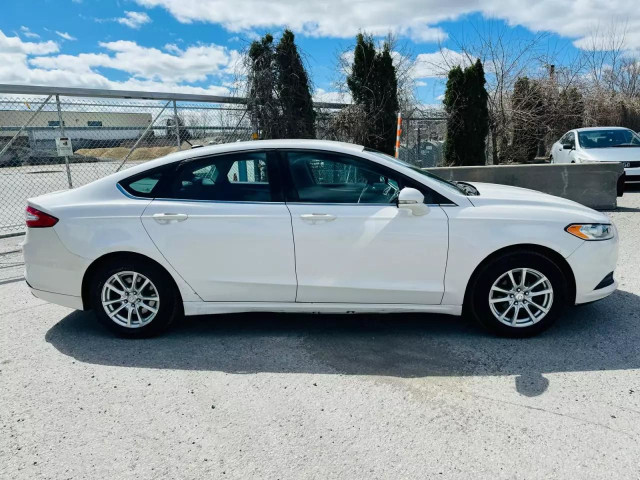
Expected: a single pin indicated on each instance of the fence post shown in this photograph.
(61, 124)
(175, 121)
(398, 134)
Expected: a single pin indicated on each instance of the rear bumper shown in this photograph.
(69, 301)
(591, 263)
(51, 269)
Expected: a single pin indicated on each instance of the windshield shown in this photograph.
(608, 138)
(441, 181)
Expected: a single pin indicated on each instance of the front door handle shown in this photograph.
(317, 217)
(169, 217)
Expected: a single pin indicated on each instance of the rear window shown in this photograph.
(144, 184)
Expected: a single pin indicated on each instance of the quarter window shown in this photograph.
(144, 184)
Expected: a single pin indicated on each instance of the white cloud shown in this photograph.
(32, 63)
(417, 19)
(438, 64)
(194, 64)
(16, 45)
(173, 48)
(318, 19)
(134, 19)
(28, 33)
(65, 35)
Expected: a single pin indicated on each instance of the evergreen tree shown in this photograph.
(298, 115)
(374, 88)
(468, 122)
(262, 103)
(455, 104)
(387, 101)
(360, 81)
(279, 97)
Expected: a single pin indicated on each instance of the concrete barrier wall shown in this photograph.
(594, 185)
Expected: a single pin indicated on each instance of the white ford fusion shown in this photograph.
(311, 226)
(600, 144)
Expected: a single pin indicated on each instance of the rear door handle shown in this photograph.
(170, 217)
(317, 217)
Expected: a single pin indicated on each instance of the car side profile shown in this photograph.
(311, 226)
(600, 144)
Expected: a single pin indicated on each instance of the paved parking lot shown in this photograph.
(301, 396)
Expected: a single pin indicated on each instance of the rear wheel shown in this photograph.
(134, 298)
(519, 294)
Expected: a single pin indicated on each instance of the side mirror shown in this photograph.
(568, 146)
(413, 200)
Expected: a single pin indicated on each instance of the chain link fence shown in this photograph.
(422, 139)
(59, 138)
(103, 135)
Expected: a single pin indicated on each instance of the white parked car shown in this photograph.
(600, 144)
(312, 226)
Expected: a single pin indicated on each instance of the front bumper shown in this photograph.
(632, 174)
(591, 263)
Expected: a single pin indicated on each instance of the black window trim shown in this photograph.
(291, 194)
(273, 172)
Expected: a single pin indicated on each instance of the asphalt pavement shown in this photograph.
(275, 396)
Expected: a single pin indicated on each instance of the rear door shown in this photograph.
(353, 244)
(223, 225)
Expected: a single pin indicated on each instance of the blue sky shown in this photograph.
(194, 45)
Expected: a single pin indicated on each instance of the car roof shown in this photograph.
(269, 144)
(590, 129)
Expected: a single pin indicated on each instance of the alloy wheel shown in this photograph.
(130, 299)
(521, 297)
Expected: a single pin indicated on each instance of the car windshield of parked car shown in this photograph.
(608, 138)
(441, 181)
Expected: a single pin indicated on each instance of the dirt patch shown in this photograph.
(118, 153)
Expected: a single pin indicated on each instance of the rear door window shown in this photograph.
(240, 177)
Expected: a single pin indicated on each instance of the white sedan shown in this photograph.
(600, 144)
(312, 226)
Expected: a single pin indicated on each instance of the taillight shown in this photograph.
(37, 219)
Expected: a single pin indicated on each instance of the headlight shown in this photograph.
(591, 231)
(586, 160)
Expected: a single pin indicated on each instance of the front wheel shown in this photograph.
(518, 294)
(134, 298)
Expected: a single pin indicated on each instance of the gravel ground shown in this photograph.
(298, 396)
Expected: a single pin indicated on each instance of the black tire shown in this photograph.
(170, 303)
(478, 297)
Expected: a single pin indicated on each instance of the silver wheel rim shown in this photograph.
(521, 297)
(130, 299)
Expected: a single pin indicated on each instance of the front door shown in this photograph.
(353, 245)
(562, 154)
(226, 230)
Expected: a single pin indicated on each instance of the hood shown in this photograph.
(494, 194)
(616, 154)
